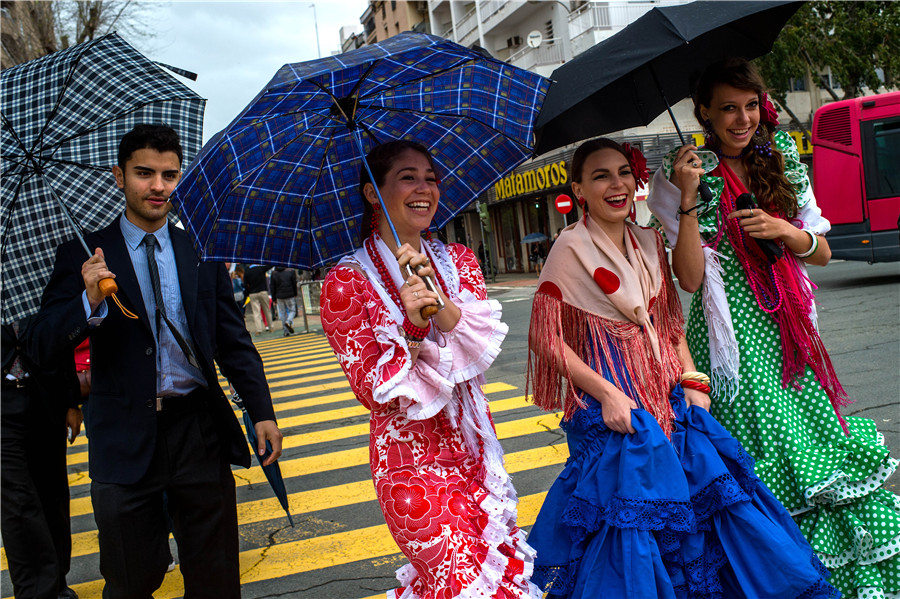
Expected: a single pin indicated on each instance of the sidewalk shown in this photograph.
(527, 279)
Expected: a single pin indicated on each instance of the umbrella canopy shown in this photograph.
(279, 184)
(62, 118)
(534, 238)
(636, 73)
(273, 470)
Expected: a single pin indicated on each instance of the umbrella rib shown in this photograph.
(9, 126)
(38, 143)
(429, 75)
(100, 125)
(450, 116)
(274, 155)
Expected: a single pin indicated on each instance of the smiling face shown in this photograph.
(148, 179)
(734, 115)
(410, 193)
(607, 186)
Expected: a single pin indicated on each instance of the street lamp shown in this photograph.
(312, 5)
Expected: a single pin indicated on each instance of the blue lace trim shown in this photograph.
(556, 580)
(584, 518)
(723, 491)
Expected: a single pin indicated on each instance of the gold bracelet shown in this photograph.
(412, 344)
(693, 375)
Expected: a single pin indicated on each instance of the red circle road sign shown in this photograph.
(563, 203)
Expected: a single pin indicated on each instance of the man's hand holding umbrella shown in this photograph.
(267, 430)
(93, 272)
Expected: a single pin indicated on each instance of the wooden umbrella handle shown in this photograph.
(429, 311)
(108, 287)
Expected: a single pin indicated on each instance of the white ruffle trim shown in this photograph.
(424, 390)
(475, 340)
(500, 505)
(839, 489)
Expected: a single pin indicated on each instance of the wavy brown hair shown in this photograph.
(766, 173)
(381, 159)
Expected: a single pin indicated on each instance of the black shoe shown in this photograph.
(286, 334)
(68, 593)
(289, 327)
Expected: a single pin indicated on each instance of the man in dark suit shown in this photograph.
(37, 407)
(157, 420)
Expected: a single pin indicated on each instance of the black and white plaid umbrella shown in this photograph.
(62, 118)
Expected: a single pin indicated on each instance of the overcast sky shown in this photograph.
(236, 47)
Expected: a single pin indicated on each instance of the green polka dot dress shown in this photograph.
(831, 483)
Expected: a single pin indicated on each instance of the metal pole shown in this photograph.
(316, 21)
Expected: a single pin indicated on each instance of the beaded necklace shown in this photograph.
(385, 274)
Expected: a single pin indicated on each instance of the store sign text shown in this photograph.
(532, 180)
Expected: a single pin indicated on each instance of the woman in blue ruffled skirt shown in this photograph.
(657, 500)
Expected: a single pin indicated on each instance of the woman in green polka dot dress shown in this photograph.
(752, 327)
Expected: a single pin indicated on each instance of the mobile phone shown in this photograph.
(769, 247)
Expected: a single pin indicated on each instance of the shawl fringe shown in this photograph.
(635, 371)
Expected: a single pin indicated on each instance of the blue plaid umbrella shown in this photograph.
(279, 184)
(62, 118)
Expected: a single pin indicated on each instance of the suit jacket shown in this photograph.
(56, 390)
(121, 406)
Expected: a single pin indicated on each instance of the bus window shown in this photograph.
(884, 178)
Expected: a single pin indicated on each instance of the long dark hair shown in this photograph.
(576, 167)
(765, 172)
(381, 159)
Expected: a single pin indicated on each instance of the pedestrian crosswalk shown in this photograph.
(340, 546)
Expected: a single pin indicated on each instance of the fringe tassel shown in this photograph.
(622, 345)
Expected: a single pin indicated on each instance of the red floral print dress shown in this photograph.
(436, 462)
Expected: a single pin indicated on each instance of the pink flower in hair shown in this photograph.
(768, 114)
(638, 165)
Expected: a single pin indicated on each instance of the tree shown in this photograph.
(27, 31)
(33, 28)
(86, 19)
(854, 39)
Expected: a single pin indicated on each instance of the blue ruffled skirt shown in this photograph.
(641, 517)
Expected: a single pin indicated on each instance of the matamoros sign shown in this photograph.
(536, 179)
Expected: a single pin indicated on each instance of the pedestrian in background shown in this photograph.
(158, 422)
(752, 326)
(283, 283)
(38, 407)
(256, 287)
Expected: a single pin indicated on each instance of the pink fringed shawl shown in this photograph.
(593, 299)
(781, 289)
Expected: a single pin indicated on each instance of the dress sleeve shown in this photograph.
(809, 215)
(474, 342)
(373, 355)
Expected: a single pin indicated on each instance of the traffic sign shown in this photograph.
(563, 203)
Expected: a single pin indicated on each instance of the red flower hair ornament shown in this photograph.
(768, 114)
(638, 164)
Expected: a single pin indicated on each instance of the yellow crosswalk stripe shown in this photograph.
(326, 462)
(361, 491)
(296, 557)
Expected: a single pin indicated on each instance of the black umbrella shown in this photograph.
(273, 470)
(630, 78)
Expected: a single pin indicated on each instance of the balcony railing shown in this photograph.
(546, 53)
(466, 25)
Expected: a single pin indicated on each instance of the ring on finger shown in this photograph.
(694, 163)
(751, 213)
(416, 293)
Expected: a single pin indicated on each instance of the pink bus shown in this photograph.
(856, 176)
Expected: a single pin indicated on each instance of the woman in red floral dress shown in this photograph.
(436, 462)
